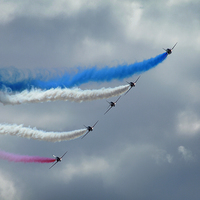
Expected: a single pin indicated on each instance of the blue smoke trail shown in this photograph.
(17, 81)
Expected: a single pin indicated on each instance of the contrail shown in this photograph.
(27, 132)
(17, 80)
(76, 94)
(26, 159)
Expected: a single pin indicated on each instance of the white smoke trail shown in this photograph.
(76, 94)
(28, 132)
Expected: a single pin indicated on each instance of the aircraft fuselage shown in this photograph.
(89, 128)
(112, 104)
(58, 159)
(169, 51)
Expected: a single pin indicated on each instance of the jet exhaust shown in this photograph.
(17, 80)
(26, 132)
(76, 94)
(24, 158)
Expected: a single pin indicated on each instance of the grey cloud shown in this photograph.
(140, 130)
(186, 154)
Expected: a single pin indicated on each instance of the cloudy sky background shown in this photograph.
(145, 148)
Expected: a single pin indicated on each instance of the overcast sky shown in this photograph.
(147, 147)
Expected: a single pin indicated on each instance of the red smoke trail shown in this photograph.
(26, 159)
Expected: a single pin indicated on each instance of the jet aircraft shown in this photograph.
(132, 84)
(89, 128)
(58, 159)
(169, 51)
(112, 104)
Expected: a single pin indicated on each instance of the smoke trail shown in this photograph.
(77, 95)
(26, 159)
(18, 81)
(21, 131)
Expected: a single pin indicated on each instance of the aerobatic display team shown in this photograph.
(17, 88)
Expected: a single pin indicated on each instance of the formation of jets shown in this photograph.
(111, 105)
(90, 128)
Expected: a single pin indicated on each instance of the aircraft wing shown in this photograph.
(63, 154)
(118, 99)
(108, 110)
(95, 124)
(174, 45)
(53, 165)
(128, 91)
(85, 134)
(137, 79)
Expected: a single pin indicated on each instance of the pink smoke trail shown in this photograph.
(26, 159)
